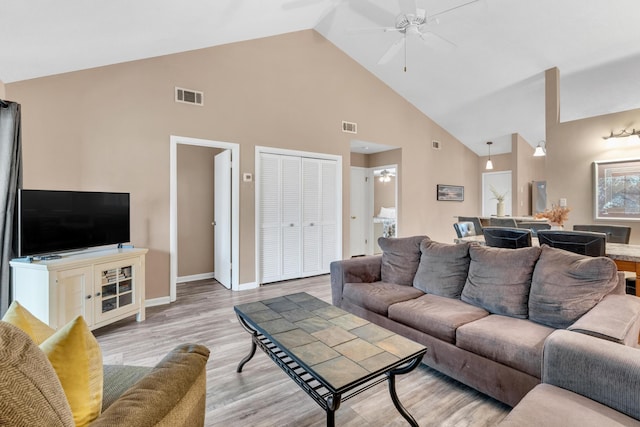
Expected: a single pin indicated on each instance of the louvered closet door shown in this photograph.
(311, 214)
(270, 214)
(329, 208)
(320, 216)
(280, 205)
(290, 226)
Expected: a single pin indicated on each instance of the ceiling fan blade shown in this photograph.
(370, 30)
(426, 35)
(292, 4)
(392, 51)
(452, 8)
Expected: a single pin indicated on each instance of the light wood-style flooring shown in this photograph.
(262, 395)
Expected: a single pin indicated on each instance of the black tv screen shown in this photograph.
(51, 221)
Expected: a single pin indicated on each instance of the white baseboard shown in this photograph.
(249, 285)
(194, 277)
(157, 301)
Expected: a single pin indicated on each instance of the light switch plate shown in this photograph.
(247, 177)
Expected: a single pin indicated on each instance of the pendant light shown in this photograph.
(489, 162)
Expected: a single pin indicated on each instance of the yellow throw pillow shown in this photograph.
(76, 357)
(20, 317)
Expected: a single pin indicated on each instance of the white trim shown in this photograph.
(157, 301)
(339, 208)
(194, 277)
(248, 285)
(173, 206)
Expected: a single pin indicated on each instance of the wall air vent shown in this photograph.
(436, 145)
(189, 96)
(349, 127)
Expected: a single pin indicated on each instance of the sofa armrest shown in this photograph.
(615, 318)
(355, 270)
(172, 394)
(600, 370)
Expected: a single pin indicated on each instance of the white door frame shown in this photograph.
(173, 206)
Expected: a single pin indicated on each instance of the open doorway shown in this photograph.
(379, 164)
(231, 244)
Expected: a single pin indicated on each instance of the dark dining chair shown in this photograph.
(477, 224)
(534, 226)
(580, 242)
(615, 233)
(502, 222)
(507, 237)
(464, 229)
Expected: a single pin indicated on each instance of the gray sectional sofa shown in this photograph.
(485, 313)
(585, 382)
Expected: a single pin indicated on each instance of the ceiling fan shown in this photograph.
(413, 21)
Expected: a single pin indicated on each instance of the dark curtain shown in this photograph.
(10, 181)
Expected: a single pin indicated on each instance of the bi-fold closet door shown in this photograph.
(298, 216)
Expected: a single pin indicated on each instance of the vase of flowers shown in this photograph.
(500, 198)
(557, 215)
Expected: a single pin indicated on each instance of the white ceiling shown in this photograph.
(486, 88)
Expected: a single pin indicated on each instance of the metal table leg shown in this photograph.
(252, 352)
(391, 376)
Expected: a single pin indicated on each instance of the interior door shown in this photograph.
(359, 222)
(222, 219)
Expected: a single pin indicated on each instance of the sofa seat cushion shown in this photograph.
(516, 343)
(566, 285)
(400, 259)
(435, 315)
(500, 279)
(551, 406)
(378, 296)
(443, 268)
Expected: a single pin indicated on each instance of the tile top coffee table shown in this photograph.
(331, 354)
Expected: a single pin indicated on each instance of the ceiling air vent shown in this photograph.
(349, 127)
(436, 145)
(189, 96)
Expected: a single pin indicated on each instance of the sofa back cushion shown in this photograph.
(566, 285)
(443, 268)
(30, 392)
(400, 259)
(499, 279)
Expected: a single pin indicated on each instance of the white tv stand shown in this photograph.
(103, 286)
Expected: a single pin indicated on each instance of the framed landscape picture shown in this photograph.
(451, 193)
(617, 189)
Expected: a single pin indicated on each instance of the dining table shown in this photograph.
(626, 257)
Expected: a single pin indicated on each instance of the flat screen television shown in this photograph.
(51, 221)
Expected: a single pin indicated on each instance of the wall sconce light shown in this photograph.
(623, 134)
(540, 150)
(489, 165)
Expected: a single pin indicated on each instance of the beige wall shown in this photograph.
(195, 185)
(524, 169)
(108, 128)
(2, 91)
(359, 160)
(573, 146)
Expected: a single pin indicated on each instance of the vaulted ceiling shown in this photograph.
(477, 69)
